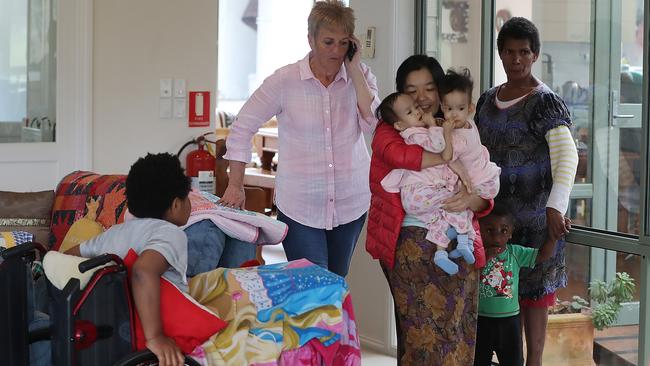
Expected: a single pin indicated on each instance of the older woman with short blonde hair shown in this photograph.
(330, 14)
(323, 103)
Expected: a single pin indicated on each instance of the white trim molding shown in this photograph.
(377, 345)
(74, 81)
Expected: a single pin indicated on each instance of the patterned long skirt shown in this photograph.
(435, 313)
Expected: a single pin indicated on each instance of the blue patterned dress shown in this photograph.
(514, 136)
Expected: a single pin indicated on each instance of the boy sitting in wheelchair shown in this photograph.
(157, 195)
(271, 314)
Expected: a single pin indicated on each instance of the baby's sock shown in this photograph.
(453, 234)
(464, 248)
(442, 260)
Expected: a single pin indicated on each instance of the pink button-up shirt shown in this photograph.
(322, 178)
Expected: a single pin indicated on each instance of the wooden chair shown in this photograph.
(257, 198)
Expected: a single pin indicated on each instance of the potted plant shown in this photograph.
(570, 329)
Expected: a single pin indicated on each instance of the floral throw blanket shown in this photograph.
(292, 313)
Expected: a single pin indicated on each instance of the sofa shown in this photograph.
(30, 212)
(269, 323)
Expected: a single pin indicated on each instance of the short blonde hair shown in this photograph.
(330, 13)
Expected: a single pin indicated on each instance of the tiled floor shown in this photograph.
(273, 254)
(617, 346)
(372, 358)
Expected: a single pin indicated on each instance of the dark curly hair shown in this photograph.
(153, 183)
(385, 110)
(501, 210)
(453, 80)
(519, 28)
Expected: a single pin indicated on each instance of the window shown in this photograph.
(453, 36)
(255, 39)
(27, 70)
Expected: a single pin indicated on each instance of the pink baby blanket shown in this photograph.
(249, 226)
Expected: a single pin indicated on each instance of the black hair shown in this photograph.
(519, 28)
(453, 80)
(385, 110)
(415, 63)
(501, 210)
(153, 183)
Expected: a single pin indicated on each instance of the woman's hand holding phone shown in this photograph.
(352, 49)
(352, 56)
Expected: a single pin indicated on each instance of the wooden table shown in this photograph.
(265, 176)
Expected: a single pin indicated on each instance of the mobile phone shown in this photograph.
(352, 49)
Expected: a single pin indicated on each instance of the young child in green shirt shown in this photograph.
(499, 326)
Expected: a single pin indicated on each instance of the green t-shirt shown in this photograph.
(499, 281)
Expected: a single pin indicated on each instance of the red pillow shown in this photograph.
(183, 319)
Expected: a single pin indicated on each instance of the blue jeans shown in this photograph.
(37, 309)
(208, 248)
(40, 352)
(331, 249)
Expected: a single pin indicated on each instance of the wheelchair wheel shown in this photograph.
(147, 358)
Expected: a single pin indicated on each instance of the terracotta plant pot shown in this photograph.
(569, 340)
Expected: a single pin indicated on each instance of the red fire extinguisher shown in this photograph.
(199, 160)
(199, 165)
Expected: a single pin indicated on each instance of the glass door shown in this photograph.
(592, 56)
(625, 136)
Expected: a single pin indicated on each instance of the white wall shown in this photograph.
(136, 44)
(395, 41)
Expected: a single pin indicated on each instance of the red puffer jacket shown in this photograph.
(389, 151)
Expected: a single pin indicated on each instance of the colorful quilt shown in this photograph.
(294, 313)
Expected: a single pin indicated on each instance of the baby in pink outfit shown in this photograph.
(457, 140)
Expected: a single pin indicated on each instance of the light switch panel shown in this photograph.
(179, 88)
(369, 43)
(179, 107)
(165, 108)
(166, 88)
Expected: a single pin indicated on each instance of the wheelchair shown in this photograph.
(90, 326)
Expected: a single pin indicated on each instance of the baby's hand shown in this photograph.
(448, 124)
(429, 120)
(458, 168)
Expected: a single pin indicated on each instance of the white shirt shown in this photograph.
(145, 234)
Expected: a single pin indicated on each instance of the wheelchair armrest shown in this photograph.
(40, 334)
(91, 263)
(23, 250)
